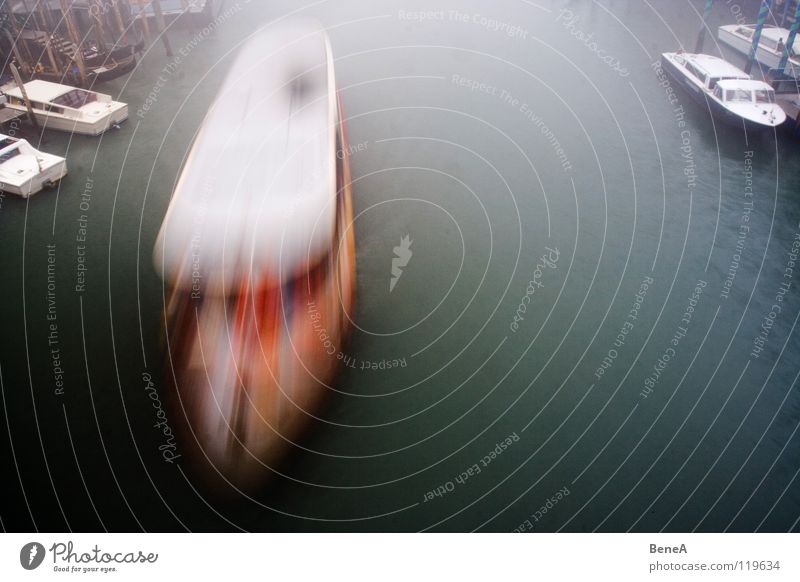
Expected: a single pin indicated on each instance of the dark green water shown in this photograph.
(488, 134)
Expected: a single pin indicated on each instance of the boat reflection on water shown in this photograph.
(257, 251)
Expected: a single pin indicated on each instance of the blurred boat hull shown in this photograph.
(251, 355)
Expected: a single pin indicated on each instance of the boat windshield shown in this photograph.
(738, 95)
(7, 155)
(76, 98)
(765, 96)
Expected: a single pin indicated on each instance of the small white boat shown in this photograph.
(172, 8)
(770, 46)
(24, 170)
(67, 108)
(729, 92)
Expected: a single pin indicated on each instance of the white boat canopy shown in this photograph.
(257, 196)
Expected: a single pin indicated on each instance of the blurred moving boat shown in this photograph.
(730, 93)
(67, 108)
(24, 170)
(258, 251)
(770, 44)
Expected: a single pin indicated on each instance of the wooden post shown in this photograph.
(96, 11)
(17, 54)
(15, 41)
(24, 94)
(702, 34)
(118, 16)
(161, 27)
(76, 40)
(762, 17)
(787, 49)
(143, 18)
(785, 12)
(49, 30)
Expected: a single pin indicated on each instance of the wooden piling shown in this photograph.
(24, 94)
(161, 26)
(76, 40)
(762, 17)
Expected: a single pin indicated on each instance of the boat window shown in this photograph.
(748, 32)
(769, 43)
(696, 72)
(765, 96)
(36, 105)
(76, 98)
(8, 155)
(5, 142)
(718, 92)
(53, 109)
(738, 95)
(712, 82)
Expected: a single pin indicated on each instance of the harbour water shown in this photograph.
(594, 328)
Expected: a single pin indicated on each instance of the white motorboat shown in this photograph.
(24, 170)
(67, 108)
(770, 45)
(726, 90)
(258, 252)
(172, 8)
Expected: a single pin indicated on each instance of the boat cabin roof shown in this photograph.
(746, 84)
(43, 91)
(257, 196)
(772, 32)
(714, 66)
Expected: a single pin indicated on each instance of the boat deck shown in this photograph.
(7, 114)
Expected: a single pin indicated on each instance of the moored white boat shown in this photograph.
(258, 252)
(173, 8)
(67, 108)
(24, 170)
(770, 46)
(729, 93)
